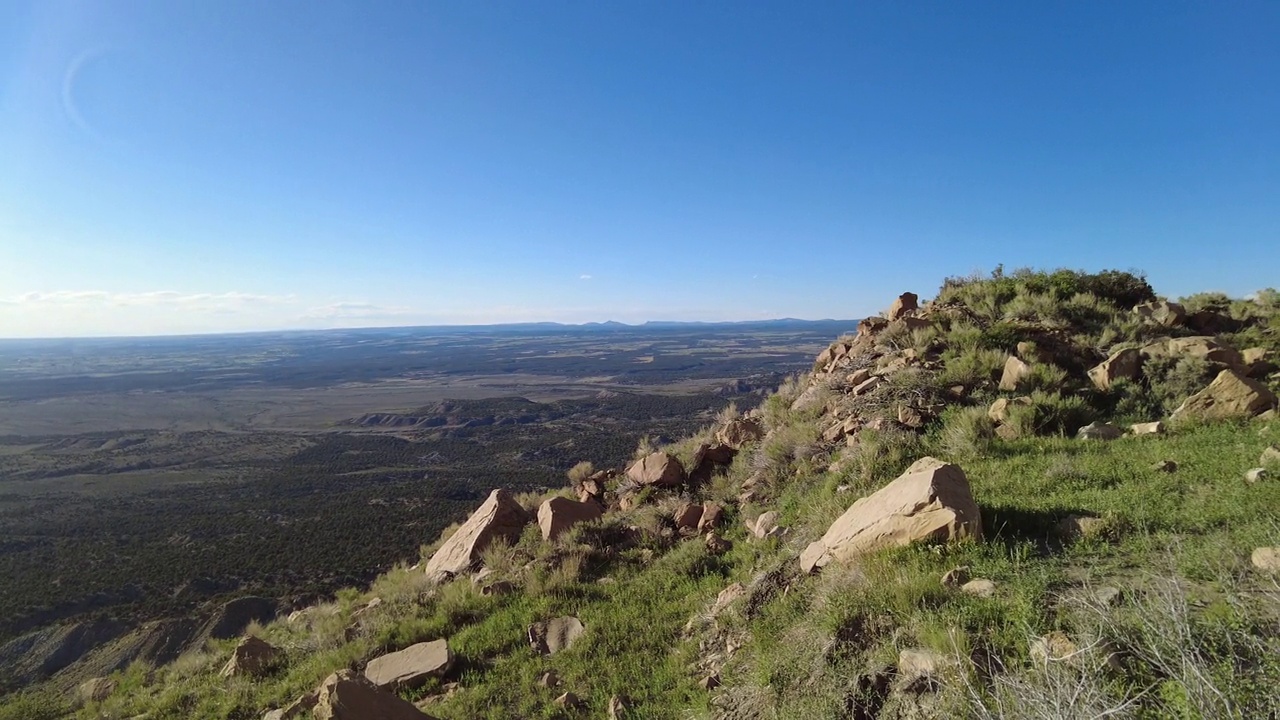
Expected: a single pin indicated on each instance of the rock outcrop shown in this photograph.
(345, 695)
(1230, 395)
(411, 667)
(931, 501)
(500, 516)
(558, 514)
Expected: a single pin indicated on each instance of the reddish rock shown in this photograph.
(558, 514)
(500, 516)
(659, 469)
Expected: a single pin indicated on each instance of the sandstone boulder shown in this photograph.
(999, 410)
(345, 695)
(869, 327)
(1015, 373)
(1147, 428)
(867, 386)
(96, 689)
(1266, 559)
(552, 636)
(1270, 457)
(1254, 475)
(1162, 313)
(955, 577)
(1053, 646)
(765, 524)
(1123, 364)
(687, 516)
(931, 501)
(1255, 364)
(712, 513)
(253, 657)
(979, 588)
(737, 433)
(500, 516)
(558, 514)
(1229, 395)
(659, 469)
(411, 667)
(905, 304)
(1203, 347)
(1098, 430)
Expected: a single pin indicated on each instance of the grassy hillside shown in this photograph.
(1135, 551)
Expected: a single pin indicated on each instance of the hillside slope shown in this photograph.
(1060, 556)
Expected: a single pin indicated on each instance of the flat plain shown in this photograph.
(154, 477)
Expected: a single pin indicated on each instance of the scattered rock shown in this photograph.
(955, 577)
(1015, 372)
(497, 588)
(500, 516)
(712, 513)
(253, 657)
(765, 525)
(812, 397)
(345, 695)
(618, 706)
(554, 635)
(905, 304)
(726, 598)
(710, 682)
(1147, 428)
(96, 689)
(558, 514)
(659, 469)
(867, 386)
(1229, 395)
(857, 377)
(688, 516)
(999, 410)
(1270, 456)
(979, 588)
(1256, 475)
(1165, 466)
(931, 501)
(1255, 364)
(717, 545)
(1266, 559)
(1098, 430)
(549, 679)
(411, 667)
(1053, 646)
(1122, 365)
(1081, 526)
(919, 663)
(568, 700)
(869, 327)
(1203, 347)
(1107, 595)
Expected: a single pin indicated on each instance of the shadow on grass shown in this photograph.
(1012, 525)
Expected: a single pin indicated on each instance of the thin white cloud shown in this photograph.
(188, 301)
(357, 311)
(584, 277)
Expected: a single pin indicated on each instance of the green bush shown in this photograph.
(966, 432)
(1050, 414)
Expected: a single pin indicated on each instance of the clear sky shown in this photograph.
(204, 166)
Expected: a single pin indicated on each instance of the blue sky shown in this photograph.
(197, 167)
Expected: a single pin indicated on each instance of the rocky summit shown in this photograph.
(1033, 495)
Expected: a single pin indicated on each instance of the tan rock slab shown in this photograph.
(500, 516)
(411, 667)
(556, 515)
(931, 501)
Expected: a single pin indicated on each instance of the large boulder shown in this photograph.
(558, 514)
(905, 304)
(737, 433)
(410, 667)
(1015, 372)
(931, 501)
(659, 469)
(1122, 365)
(1162, 313)
(253, 657)
(345, 695)
(500, 516)
(1229, 395)
(96, 689)
(552, 636)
